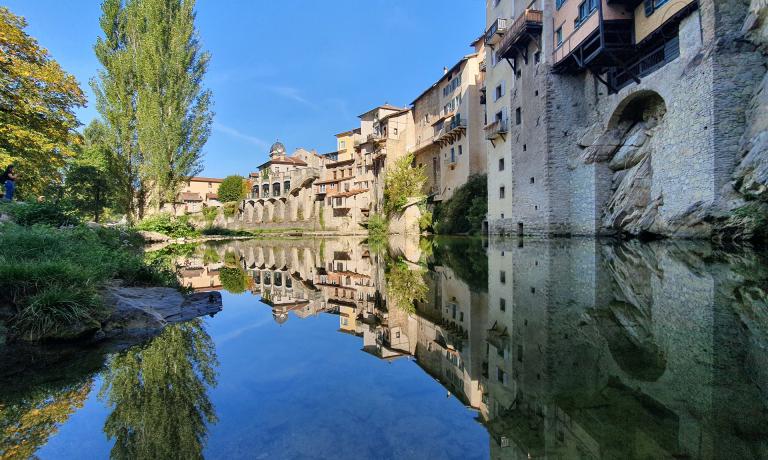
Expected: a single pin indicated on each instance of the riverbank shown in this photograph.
(60, 281)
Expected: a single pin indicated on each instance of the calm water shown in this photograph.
(426, 349)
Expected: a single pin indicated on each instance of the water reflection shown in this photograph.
(570, 348)
(562, 348)
(158, 394)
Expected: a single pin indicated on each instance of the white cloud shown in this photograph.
(261, 143)
(291, 93)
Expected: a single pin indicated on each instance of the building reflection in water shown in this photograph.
(566, 348)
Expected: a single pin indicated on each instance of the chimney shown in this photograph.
(445, 70)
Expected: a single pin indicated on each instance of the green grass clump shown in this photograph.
(175, 227)
(45, 213)
(51, 278)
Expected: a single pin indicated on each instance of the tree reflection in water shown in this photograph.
(159, 395)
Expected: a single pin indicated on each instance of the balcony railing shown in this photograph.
(496, 129)
(494, 33)
(520, 32)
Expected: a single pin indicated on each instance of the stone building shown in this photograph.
(448, 118)
(623, 116)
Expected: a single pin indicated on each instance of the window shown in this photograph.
(500, 374)
(499, 91)
(397, 334)
(461, 149)
(586, 9)
(533, 180)
(501, 164)
(342, 145)
(503, 277)
(518, 115)
(394, 131)
(537, 57)
(652, 5)
(503, 304)
(453, 155)
(559, 3)
(502, 191)
(559, 36)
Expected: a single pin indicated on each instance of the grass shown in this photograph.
(52, 278)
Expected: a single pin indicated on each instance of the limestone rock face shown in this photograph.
(631, 208)
(751, 175)
(144, 311)
(606, 144)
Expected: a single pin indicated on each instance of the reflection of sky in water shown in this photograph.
(303, 390)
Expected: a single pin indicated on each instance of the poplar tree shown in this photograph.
(173, 116)
(115, 87)
(150, 94)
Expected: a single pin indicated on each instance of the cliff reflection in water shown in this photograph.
(573, 348)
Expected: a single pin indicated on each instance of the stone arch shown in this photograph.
(643, 105)
(632, 207)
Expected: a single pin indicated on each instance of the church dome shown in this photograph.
(277, 149)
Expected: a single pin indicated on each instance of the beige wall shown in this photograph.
(572, 37)
(644, 26)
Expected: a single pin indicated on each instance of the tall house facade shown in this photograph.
(448, 119)
(498, 79)
(611, 116)
(385, 133)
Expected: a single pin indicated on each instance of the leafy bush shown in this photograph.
(378, 227)
(45, 213)
(466, 210)
(425, 221)
(405, 284)
(229, 209)
(175, 227)
(232, 189)
(403, 181)
(209, 214)
(233, 279)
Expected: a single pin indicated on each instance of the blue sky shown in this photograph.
(300, 70)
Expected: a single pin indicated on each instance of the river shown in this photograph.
(445, 348)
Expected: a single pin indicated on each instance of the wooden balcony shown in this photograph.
(526, 28)
(451, 131)
(495, 31)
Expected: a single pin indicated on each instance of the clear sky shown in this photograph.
(299, 71)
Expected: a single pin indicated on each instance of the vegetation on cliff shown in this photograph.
(466, 210)
(403, 182)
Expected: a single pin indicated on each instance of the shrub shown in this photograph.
(209, 214)
(232, 189)
(175, 227)
(378, 227)
(404, 285)
(465, 211)
(233, 279)
(425, 221)
(402, 181)
(45, 213)
(229, 209)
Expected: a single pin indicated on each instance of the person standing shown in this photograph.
(9, 176)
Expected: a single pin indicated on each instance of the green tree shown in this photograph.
(403, 181)
(151, 96)
(232, 189)
(37, 103)
(159, 395)
(92, 178)
(173, 116)
(115, 89)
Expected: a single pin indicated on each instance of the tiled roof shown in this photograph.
(188, 196)
(205, 179)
